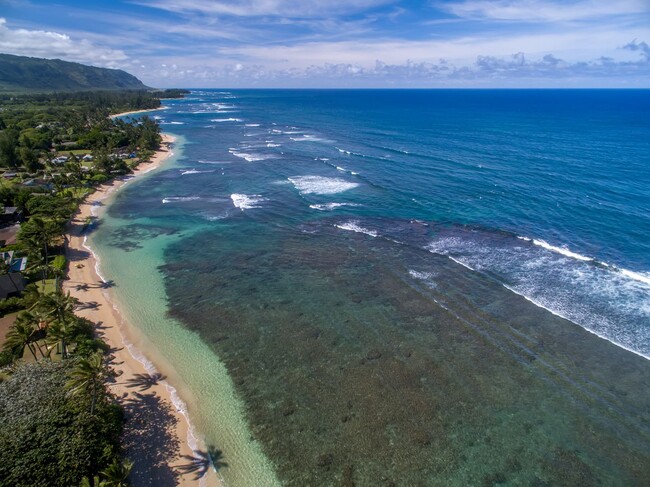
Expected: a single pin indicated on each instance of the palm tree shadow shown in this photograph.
(144, 382)
(200, 462)
(149, 439)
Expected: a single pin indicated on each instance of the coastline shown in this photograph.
(155, 413)
(134, 112)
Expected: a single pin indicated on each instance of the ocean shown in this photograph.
(400, 287)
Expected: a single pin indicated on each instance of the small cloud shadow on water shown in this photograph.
(144, 382)
(201, 461)
(150, 441)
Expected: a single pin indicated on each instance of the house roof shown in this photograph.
(11, 283)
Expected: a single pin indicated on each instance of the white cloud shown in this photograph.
(545, 10)
(252, 8)
(47, 44)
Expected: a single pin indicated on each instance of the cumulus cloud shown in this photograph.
(544, 10)
(47, 44)
(517, 69)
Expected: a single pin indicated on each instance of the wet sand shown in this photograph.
(158, 435)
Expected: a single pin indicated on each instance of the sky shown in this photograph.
(343, 43)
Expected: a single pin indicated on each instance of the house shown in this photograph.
(15, 264)
(11, 285)
(11, 214)
(60, 160)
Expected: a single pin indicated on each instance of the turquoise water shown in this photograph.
(178, 354)
(405, 287)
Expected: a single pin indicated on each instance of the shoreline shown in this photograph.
(154, 409)
(134, 112)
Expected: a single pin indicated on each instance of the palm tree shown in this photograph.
(37, 234)
(36, 322)
(60, 308)
(87, 376)
(19, 336)
(116, 473)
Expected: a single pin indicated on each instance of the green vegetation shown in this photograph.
(20, 74)
(50, 437)
(60, 423)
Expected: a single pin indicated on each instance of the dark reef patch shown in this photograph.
(353, 372)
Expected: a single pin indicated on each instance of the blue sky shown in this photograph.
(343, 43)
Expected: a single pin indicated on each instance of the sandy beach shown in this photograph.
(157, 433)
(132, 112)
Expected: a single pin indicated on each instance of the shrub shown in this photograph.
(48, 437)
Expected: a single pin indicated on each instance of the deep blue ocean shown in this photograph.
(547, 191)
(439, 252)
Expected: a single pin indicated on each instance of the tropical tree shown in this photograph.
(37, 234)
(87, 377)
(19, 336)
(59, 307)
(116, 474)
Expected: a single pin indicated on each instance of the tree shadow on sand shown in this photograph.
(144, 382)
(150, 441)
(87, 305)
(200, 462)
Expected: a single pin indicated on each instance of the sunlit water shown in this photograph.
(405, 288)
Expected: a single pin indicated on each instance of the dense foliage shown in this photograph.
(59, 423)
(20, 73)
(49, 437)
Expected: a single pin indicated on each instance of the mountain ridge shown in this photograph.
(22, 74)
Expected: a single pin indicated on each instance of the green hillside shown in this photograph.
(20, 74)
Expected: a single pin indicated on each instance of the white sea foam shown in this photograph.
(424, 276)
(226, 120)
(270, 144)
(250, 157)
(561, 250)
(252, 125)
(636, 276)
(321, 184)
(246, 201)
(307, 138)
(602, 298)
(195, 171)
(331, 206)
(175, 199)
(177, 123)
(633, 275)
(353, 226)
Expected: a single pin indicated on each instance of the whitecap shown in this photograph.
(226, 120)
(331, 206)
(250, 157)
(353, 226)
(561, 250)
(252, 125)
(194, 171)
(321, 184)
(173, 199)
(246, 201)
(423, 276)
